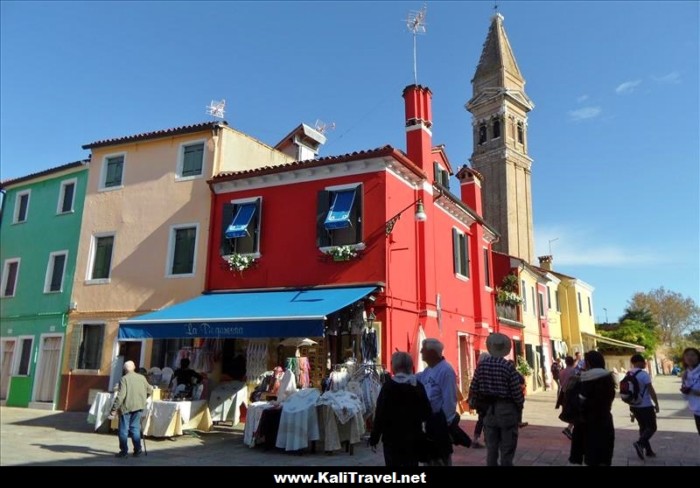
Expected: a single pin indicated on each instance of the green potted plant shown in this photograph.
(523, 367)
(240, 262)
(342, 253)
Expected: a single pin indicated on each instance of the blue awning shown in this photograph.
(239, 226)
(289, 313)
(339, 214)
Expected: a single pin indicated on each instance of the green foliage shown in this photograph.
(522, 367)
(507, 293)
(634, 332)
(674, 313)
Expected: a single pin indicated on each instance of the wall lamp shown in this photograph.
(420, 215)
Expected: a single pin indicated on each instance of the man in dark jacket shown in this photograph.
(134, 391)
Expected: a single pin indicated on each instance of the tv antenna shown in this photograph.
(322, 127)
(550, 244)
(216, 108)
(416, 24)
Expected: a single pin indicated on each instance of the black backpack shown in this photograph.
(630, 390)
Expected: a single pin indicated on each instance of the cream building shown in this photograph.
(143, 242)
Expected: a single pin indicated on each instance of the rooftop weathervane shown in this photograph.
(416, 24)
(216, 108)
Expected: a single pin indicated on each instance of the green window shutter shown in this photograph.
(192, 160)
(356, 214)
(226, 248)
(463, 255)
(487, 271)
(183, 254)
(103, 257)
(455, 251)
(114, 171)
(322, 206)
(68, 191)
(76, 340)
(59, 263)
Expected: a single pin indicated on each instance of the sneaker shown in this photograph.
(640, 451)
(121, 454)
(650, 453)
(567, 433)
(137, 453)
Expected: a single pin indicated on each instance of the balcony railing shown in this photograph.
(506, 311)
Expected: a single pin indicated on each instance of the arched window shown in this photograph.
(520, 132)
(496, 128)
(482, 133)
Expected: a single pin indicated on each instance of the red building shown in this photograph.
(430, 274)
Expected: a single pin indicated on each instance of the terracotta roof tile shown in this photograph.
(185, 129)
(45, 172)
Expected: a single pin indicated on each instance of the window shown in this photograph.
(482, 134)
(549, 298)
(101, 257)
(534, 303)
(540, 303)
(90, 352)
(442, 176)
(66, 196)
(21, 207)
(580, 308)
(191, 160)
(25, 356)
(520, 132)
(112, 172)
(182, 250)
(339, 216)
(240, 233)
(496, 128)
(55, 271)
(590, 309)
(460, 253)
(556, 298)
(10, 273)
(524, 292)
(487, 270)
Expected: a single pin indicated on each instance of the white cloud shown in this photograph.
(582, 98)
(585, 113)
(578, 246)
(673, 78)
(628, 86)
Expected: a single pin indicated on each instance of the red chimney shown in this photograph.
(419, 119)
(470, 183)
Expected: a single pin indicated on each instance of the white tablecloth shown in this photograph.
(168, 419)
(100, 408)
(225, 401)
(299, 421)
(342, 418)
(252, 421)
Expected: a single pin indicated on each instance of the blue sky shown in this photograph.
(614, 133)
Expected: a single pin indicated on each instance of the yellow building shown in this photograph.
(144, 239)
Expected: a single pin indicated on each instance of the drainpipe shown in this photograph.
(65, 405)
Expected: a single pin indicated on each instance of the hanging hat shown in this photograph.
(498, 345)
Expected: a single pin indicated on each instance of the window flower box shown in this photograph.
(240, 262)
(342, 253)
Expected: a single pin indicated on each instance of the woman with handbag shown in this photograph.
(402, 407)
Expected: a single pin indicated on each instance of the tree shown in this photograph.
(639, 315)
(673, 312)
(635, 332)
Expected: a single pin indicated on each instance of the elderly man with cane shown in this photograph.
(134, 391)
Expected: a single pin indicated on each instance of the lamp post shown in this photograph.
(420, 216)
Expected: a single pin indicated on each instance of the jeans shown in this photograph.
(130, 425)
(501, 424)
(646, 418)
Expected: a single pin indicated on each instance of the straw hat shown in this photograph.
(498, 345)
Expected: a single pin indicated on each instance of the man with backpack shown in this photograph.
(637, 391)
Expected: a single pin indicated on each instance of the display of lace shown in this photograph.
(202, 356)
(304, 370)
(256, 358)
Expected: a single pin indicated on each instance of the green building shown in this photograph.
(39, 234)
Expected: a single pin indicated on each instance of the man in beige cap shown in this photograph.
(496, 386)
(134, 391)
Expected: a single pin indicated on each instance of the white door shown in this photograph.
(49, 365)
(8, 355)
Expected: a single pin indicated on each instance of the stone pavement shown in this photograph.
(42, 438)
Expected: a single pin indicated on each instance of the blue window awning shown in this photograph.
(241, 221)
(289, 313)
(339, 215)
